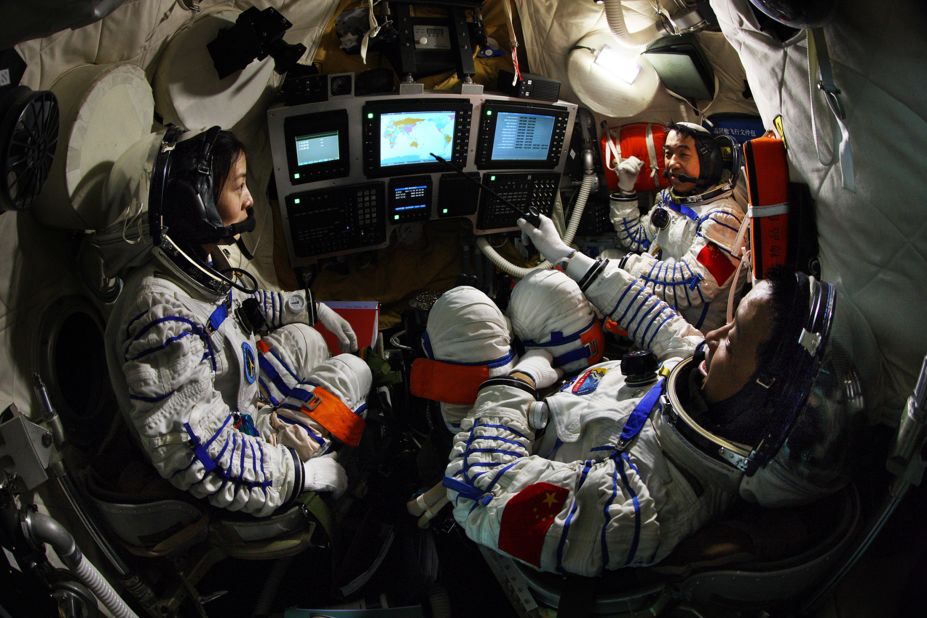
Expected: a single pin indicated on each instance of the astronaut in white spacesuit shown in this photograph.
(229, 390)
(683, 247)
(613, 470)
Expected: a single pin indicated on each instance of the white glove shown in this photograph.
(546, 239)
(324, 474)
(339, 327)
(536, 363)
(628, 171)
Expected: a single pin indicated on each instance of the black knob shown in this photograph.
(639, 367)
(659, 218)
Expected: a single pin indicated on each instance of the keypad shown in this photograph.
(522, 190)
(329, 221)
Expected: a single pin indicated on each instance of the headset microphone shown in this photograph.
(681, 177)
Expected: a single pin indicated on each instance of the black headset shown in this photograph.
(182, 201)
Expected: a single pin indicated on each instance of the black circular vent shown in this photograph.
(28, 136)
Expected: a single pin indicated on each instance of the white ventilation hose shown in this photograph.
(40, 528)
(614, 15)
(585, 189)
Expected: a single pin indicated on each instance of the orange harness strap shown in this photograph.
(768, 185)
(330, 412)
(446, 382)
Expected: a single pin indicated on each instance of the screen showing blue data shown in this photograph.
(408, 138)
(522, 137)
(317, 148)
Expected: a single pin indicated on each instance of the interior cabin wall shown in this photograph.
(873, 240)
(37, 262)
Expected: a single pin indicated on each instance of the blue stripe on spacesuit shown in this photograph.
(505, 427)
(632, 302)
(680, 208)
(228, 470)
(632, 550)
(311, 433)
(621, 298)
(608, 504)
(361, 409)
(653, 336)
(133, 321)
(270, 371)
(644, 317)
(569, 520)
(635, 501)
(637, 237)
(194, 327)
(710, 216)
(262, 384)
(154, 399)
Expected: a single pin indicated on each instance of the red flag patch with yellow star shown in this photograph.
(527, 518)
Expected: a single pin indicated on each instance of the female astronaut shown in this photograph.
(228, 389)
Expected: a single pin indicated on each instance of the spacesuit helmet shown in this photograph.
(804, 406)
(550, 312)
(797, 13)
(185, 187)
(716, 154)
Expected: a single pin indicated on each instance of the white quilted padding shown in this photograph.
(547, 302)
(873, 242)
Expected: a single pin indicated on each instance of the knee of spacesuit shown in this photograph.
(332, 404)
(470, 336)
(288, 356)
(549, 312)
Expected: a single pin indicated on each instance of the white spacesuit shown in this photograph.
(683, 247)
(222, 413)
(622, 472)
(569, 501)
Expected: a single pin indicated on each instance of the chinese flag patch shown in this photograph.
(716, 262)
(526, 519)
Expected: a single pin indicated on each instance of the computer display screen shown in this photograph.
(409, 138)
(317, 148)
(522, 137)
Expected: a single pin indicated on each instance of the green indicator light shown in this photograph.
(492, 179)
(444, 212)
(296, 201)
(396, 217)
(489, 112)
(296, 176)
(370, 115)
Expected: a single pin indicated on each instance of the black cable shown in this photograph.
(239, 273)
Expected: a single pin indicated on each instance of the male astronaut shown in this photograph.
(625, 470)
(683, 247)
(229, 390)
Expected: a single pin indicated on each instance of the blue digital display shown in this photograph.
(409, 138)
(522, 136)
(317, 148)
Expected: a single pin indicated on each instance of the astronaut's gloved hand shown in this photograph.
(546, 239)
(628, 171)
(339, 327)
(324, 473)
(537, 364)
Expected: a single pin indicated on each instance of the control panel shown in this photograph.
(351, 169)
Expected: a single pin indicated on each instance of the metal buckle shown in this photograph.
(832, 96)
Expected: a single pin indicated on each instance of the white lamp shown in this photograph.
(610, 80)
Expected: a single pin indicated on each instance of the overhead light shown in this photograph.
(624, 65)
(610, 80)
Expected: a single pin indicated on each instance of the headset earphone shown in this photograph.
(182, 209)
